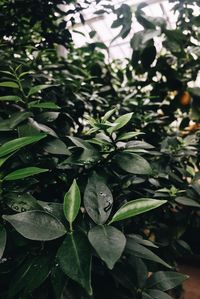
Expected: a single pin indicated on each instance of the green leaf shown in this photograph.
(36, 225)
(133, 163)
(74, 257)
(129, 135)
(27, 129)
(140, 269)
(88, 155)
(81, 143)
(21, 202)
(15, 119)
(56, 147)
(165, 280)
(72, 202)
(31, 274)
(16, 144)
(4, 159)
(10, 99)
(83, 157)
(58, 281)
(98, 199)
(142, 241)
(24, 173)
(26, 73)
(140, 251)
(137, 144)
(108, 114)
(3, 237)
(9, 84)
(54, 208)
(146, 296)
(186, 201)
(157, 294)
(43, 105)
(108, 242)
(120, 122)
(136, 207)
(37, 88)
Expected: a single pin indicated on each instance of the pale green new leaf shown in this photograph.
(24, 173)
(136, 207)
(43, 105)
(37, 88)
(10, 98)
(9, 84)
(108, 114)
(129, 135)
(120, 122)
(72, 202)
(16, 144)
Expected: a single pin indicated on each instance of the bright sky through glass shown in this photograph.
(120, 48)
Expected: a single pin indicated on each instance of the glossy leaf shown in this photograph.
(140, 269)
(157, 294)
(43, 128)
(142, 241)
(37, 88)
(4, 159)
(108, 114)
(74, 257)
(108, 242)
(136, 207)
(16, 144)
(186, 201)
(14, 120)
(139, 144)
(121, 122)
(54, 208)
(56, 147)
(22, 202)
(72, 202)
(140, 251)
(9, 84)
(81, 143)
(24, 173)
(165, 280)
(43, 105)
(10, 98)
(133, 163)
(31, 274)
(36, 225)
(3, 237)
(146, 296)
(58, 281)
(129, 135)
(98, 199)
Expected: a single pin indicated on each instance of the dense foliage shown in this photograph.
(99, 172)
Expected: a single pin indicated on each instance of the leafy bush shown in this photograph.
(72, 192)
(97, 187)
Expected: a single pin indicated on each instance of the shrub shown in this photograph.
(97, 187)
